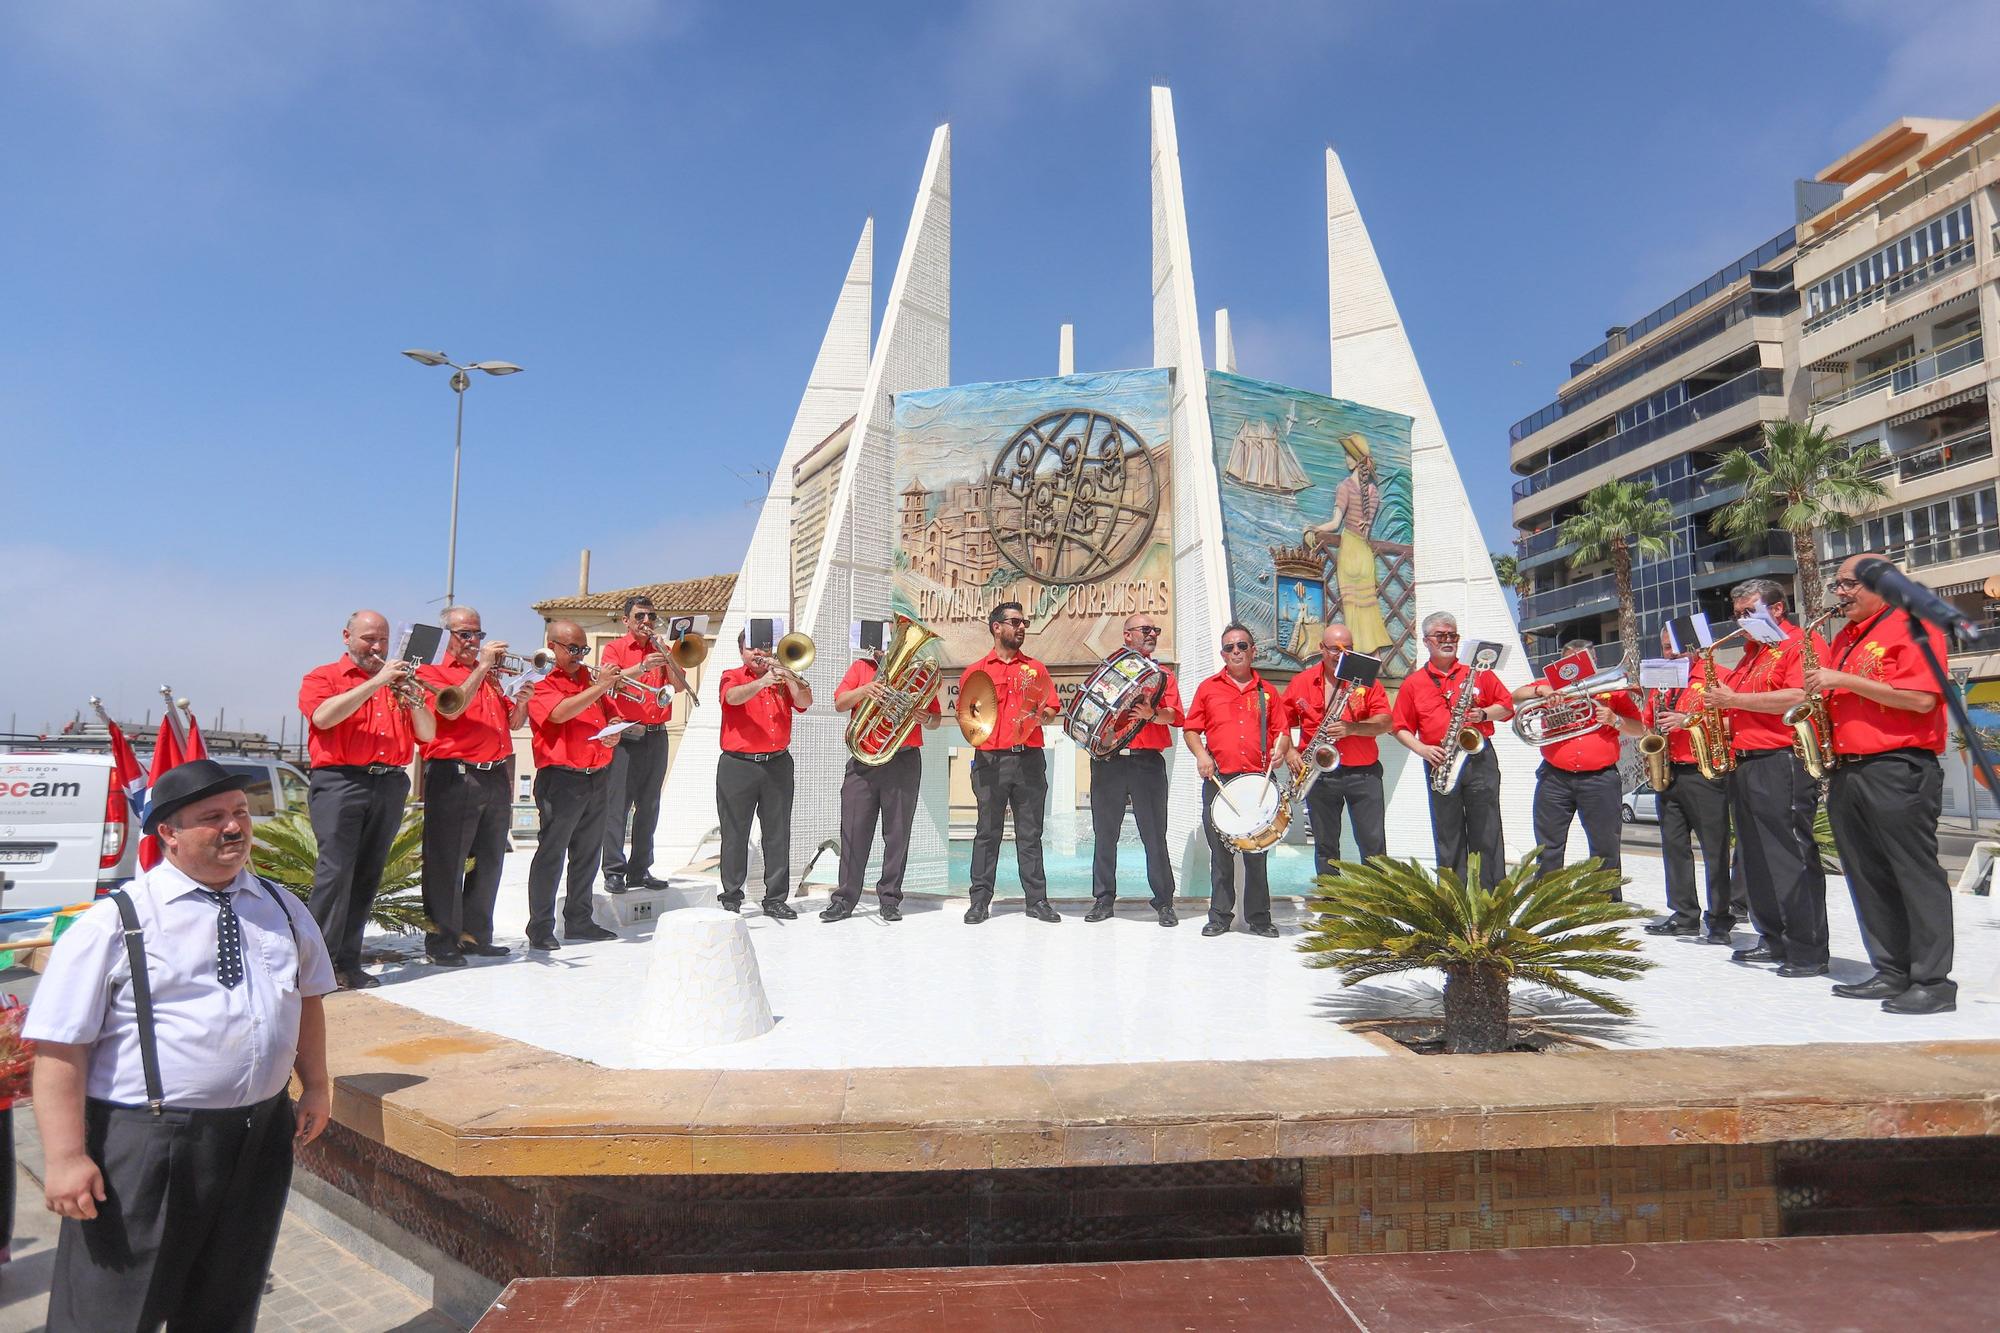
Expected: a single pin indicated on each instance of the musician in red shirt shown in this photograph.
(360, 734)
(1136, 775)
(1887, 793)
(1772, 799)
(1356, 785)
(468, 792)
(1235, 725)
(639, 764)
(1467, 818)
(1578, 778)
(1009, 770)
(1692, 807)
(870, 792)
(754, 775)
(566, 712)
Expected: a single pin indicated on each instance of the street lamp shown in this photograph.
(460, 382)
(1960, 678)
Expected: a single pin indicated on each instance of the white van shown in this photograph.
(65, 834)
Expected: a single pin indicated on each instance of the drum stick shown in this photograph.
(1223, 792)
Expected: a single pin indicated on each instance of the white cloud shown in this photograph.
(1937, 60)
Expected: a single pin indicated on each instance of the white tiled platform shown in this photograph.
(931, 991)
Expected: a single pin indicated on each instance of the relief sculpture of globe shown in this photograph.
(1073, 496)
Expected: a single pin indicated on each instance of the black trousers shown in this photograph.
(466, 812)
(744, 789)
(354, 817)
(1772, 803)
(1005, 780)
(571, 804)
(1696, 809)
(1594, 797)
(1222, 870)
(1358, 790)
(1884, 809)
(1137, 779)
(885, 792)
(184, 1237)
(638, 768)
(1467, 820)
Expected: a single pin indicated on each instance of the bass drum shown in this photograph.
(1250, 811)
(1100, 717)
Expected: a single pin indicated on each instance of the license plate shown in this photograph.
(19, 856)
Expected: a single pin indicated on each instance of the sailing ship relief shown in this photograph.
(1263, 462)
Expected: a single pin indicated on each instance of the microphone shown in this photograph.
(1899, 590)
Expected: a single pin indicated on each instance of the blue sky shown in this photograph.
(224, 222)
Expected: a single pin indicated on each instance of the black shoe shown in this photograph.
(1718, 937)
(1101, 912)
(1666, 925)
(1877, 987)
(355, 979)
(1167, 917)
(1041, 911)
(452, 959)
(1267, 930)
(891, 912)
(543, 943)
(589, 930)
(730, 904)
(975, 914)
(1939, 999)
(654, 882)
(1756, 954)
(437, 949)
(780, 909)
(837, 912)
(1802, 970)
(1214, 928)
(477, 950)
(614, 882)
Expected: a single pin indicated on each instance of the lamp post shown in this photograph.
(1960, 678)
(460, 382)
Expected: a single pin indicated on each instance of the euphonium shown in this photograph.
(1709, 731)
(1812, 728)
(876, 731)
(1568, 713)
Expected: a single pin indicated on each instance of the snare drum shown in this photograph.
(1100, 717)
(1250, 811)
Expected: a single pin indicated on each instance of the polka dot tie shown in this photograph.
(228, 940)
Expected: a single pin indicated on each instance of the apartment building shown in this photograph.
(1661, 400)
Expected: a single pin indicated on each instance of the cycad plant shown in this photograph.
(1621, 521)
(287, 851)
(1558, 930)
(1800, 479)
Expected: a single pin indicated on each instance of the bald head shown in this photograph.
(1336, 639)
(567, 630)
(366, 637)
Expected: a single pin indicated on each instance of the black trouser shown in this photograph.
(1594, 797)
(887, 792)
(638, 768)
(466, 813)
(1358, 789)
(184, 1237)
(1222, 870)
(745, 787)
(1466, 820)
(1771, 803)
(1884, 809)
(1137, 778)
(355, 816)
(571, 803)
(1694, 808)
(1003, 780)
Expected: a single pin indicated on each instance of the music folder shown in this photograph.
(764, 633)
(420, 644)
(680, 627)
(870, 636)
(1357, 669)
(1664, 673)
(1690, 632)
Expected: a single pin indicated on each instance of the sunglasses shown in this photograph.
(645, 615)
(1235, 647)
(1144, 629)
(574, 649)
(469, 635)
(1016, 622)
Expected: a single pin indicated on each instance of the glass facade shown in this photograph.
(1915, 257)
(1953, 527)
(1761, 257)
(1750, 384)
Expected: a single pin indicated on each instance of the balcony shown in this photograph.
(1945, 547)
(1750, 384)
(1717, 557)
(1761, 257)
(1908, 374)
(1921, 275)
(1946, 455)
(1570, 599)
(1548, 539)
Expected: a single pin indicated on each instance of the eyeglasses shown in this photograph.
(1846, 585)
(469, 635)
(574, 649)
(645, 615)
(1144, 629)
(1235, 647)
(1016, 622)
(1442, 636)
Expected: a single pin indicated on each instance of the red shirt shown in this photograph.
(1156, 735)
(1022, 685)
(567, 744)
(1597, 749)
(1687, 701)
(1764, 668)
(861, 673)
(479, 735)
(623, 653)
(1305, 703)
(1424, 703)
(763, 725)
(1225, 713)
(378, 732)
(1880, 648)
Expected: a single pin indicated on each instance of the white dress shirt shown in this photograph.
(219, 1047)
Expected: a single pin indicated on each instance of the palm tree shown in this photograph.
(286, 852)
(1507, 569)
(1799, 479)
(1399, 916)
(1618, 521)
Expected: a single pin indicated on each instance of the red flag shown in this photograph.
(166, 754)
(126, 775)
(194, 747)
(1567, 671)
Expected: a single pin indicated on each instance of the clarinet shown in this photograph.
(1461, 742)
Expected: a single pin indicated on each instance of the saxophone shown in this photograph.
(1653, 754)
(1322, 752)
(1812, 728)
(876, 732)
(1708, 731)
(1461, 742)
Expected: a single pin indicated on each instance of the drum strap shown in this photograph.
(1263, 728)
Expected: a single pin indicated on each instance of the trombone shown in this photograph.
(791, 655)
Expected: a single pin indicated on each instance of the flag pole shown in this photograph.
(173, 718)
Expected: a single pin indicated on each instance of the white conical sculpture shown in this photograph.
(703, 986)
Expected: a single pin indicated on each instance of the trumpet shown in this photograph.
(409, 691)
(1568, 713)
(659, 696)
(540, 664)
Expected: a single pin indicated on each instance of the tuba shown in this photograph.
(1812, 727)
(876, 732)
(1568, 713)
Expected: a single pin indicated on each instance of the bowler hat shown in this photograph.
(187, 783)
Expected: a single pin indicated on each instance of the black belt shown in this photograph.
(570, 768)
(1900, 752)
(764, 758)
(190, 1114)
(650, 727)
(368, 770)
(1008, 749)
(463, 765)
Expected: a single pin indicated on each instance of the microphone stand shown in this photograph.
(1954, 701)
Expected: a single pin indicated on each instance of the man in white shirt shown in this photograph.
(161, 1071)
